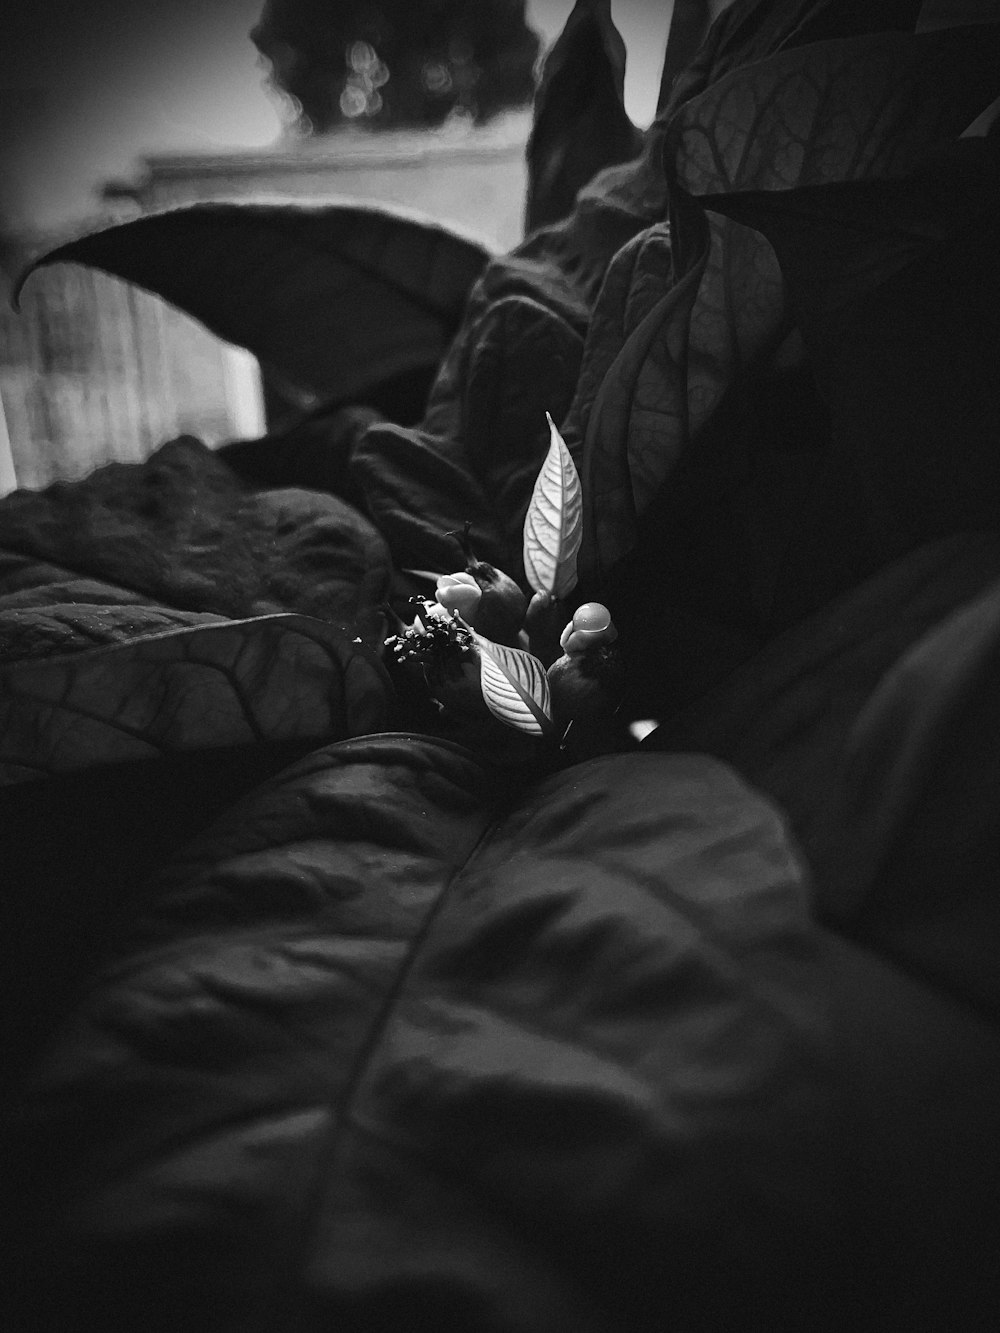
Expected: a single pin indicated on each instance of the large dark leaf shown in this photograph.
(272, 678)
(334, 299)
(875, 125)
(844, 215)
(420, 487)
(525, 363)
(314, 450)
(484, 436)
(910, 372)
(893, 276)
(46, 610)
(913, 848)
(683, 343)
(752, 30)
(642, 400)
(67, 626)
(833, 111)
(75, 845)
(852, 109)
(827, 176)
(185, 532)
(784, 718)
(580, 120)
(865, 231)
(396, 1037)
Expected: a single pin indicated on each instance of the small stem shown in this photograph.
(462, 537)
(544, 622)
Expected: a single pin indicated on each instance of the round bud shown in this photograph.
(591, 625)
(591, 616)
(451, 580)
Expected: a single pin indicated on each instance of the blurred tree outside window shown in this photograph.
(397, 63)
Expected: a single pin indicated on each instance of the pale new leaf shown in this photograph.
(515, 687)
(553, 524)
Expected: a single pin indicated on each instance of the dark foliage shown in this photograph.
(413, 1035)
(580, 123)
(258, 274)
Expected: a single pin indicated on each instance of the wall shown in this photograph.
(93, 370)
(475, 179)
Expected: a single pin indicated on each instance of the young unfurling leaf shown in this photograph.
(553, 525)
(515, 687)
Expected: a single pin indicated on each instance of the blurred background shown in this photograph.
(112, 108)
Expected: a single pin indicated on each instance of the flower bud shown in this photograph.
(591, 625)
(461, 593)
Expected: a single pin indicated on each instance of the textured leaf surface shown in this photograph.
(637, 426)
(390, 999)
(477, 454)
(183, 531)
(893, 277)
(62, 627)
(334, 299)
(868, 171)
(271, 678)
(46, 610)
(515, 687)
(580, 123)
(865, 231)
(506, 399)
(846, 110)
(553, 525)
(859, 108)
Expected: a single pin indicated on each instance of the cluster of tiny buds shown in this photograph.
(434, 633)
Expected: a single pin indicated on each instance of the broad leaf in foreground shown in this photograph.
(553, 525)
(270, 678)
(333, 299)
(515, 687)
